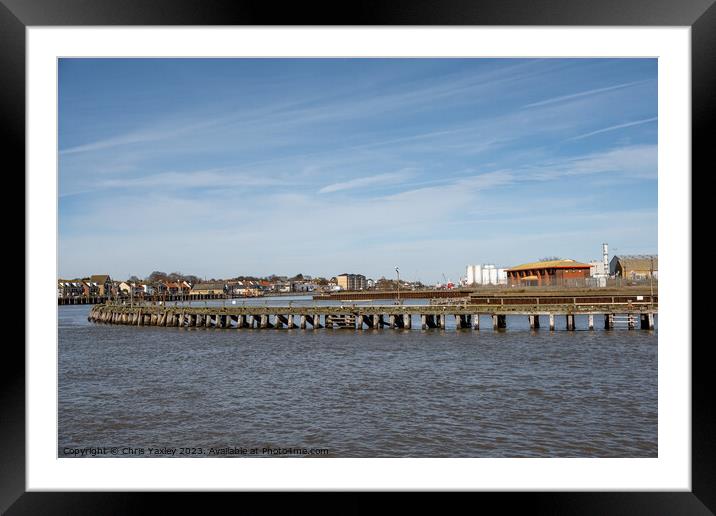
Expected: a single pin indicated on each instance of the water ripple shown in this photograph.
(371, 394)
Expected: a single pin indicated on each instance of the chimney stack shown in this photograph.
(605, 258)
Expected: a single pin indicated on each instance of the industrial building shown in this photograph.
(635, 266)
(486, 274)
(549, 273)
(351, 281)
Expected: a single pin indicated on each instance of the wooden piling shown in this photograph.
(608, 321)
(570, 322)
(646, 321)
(501, 322)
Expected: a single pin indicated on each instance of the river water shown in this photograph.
(129, 391)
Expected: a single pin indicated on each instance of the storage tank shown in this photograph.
(470, 274)
(493, 275)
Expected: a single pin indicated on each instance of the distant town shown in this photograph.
(621, 270)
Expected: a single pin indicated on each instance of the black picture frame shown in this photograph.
(700, 15)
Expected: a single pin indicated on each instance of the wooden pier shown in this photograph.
(629, 314)
(94, 300)
(81, 300)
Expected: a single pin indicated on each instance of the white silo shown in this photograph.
(493, 275)
(470, 274)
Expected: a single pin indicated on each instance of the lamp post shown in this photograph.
(651, 279)
(397, 271)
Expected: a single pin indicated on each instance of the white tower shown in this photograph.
(605, 258)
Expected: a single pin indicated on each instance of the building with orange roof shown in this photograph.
(549, 273)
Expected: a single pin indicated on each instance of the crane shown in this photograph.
(446, 282)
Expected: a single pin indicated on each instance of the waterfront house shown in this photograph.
(104, 282)
(303, 286)
(89, 288)
(131, 289)
(282, 286)
(172, 287)
(69, 288)
(351, 281)
(209, 288)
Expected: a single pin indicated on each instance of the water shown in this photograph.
(345, 393)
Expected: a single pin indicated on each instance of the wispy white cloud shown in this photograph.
(145, 135)
(366, 182)
(614, 128)
(187, 123)
(594, 91)
(637, 161)
(629, 162)
(213, 178)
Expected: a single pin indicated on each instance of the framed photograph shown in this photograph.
(418, 249)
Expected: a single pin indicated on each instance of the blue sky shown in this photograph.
(224, 167)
